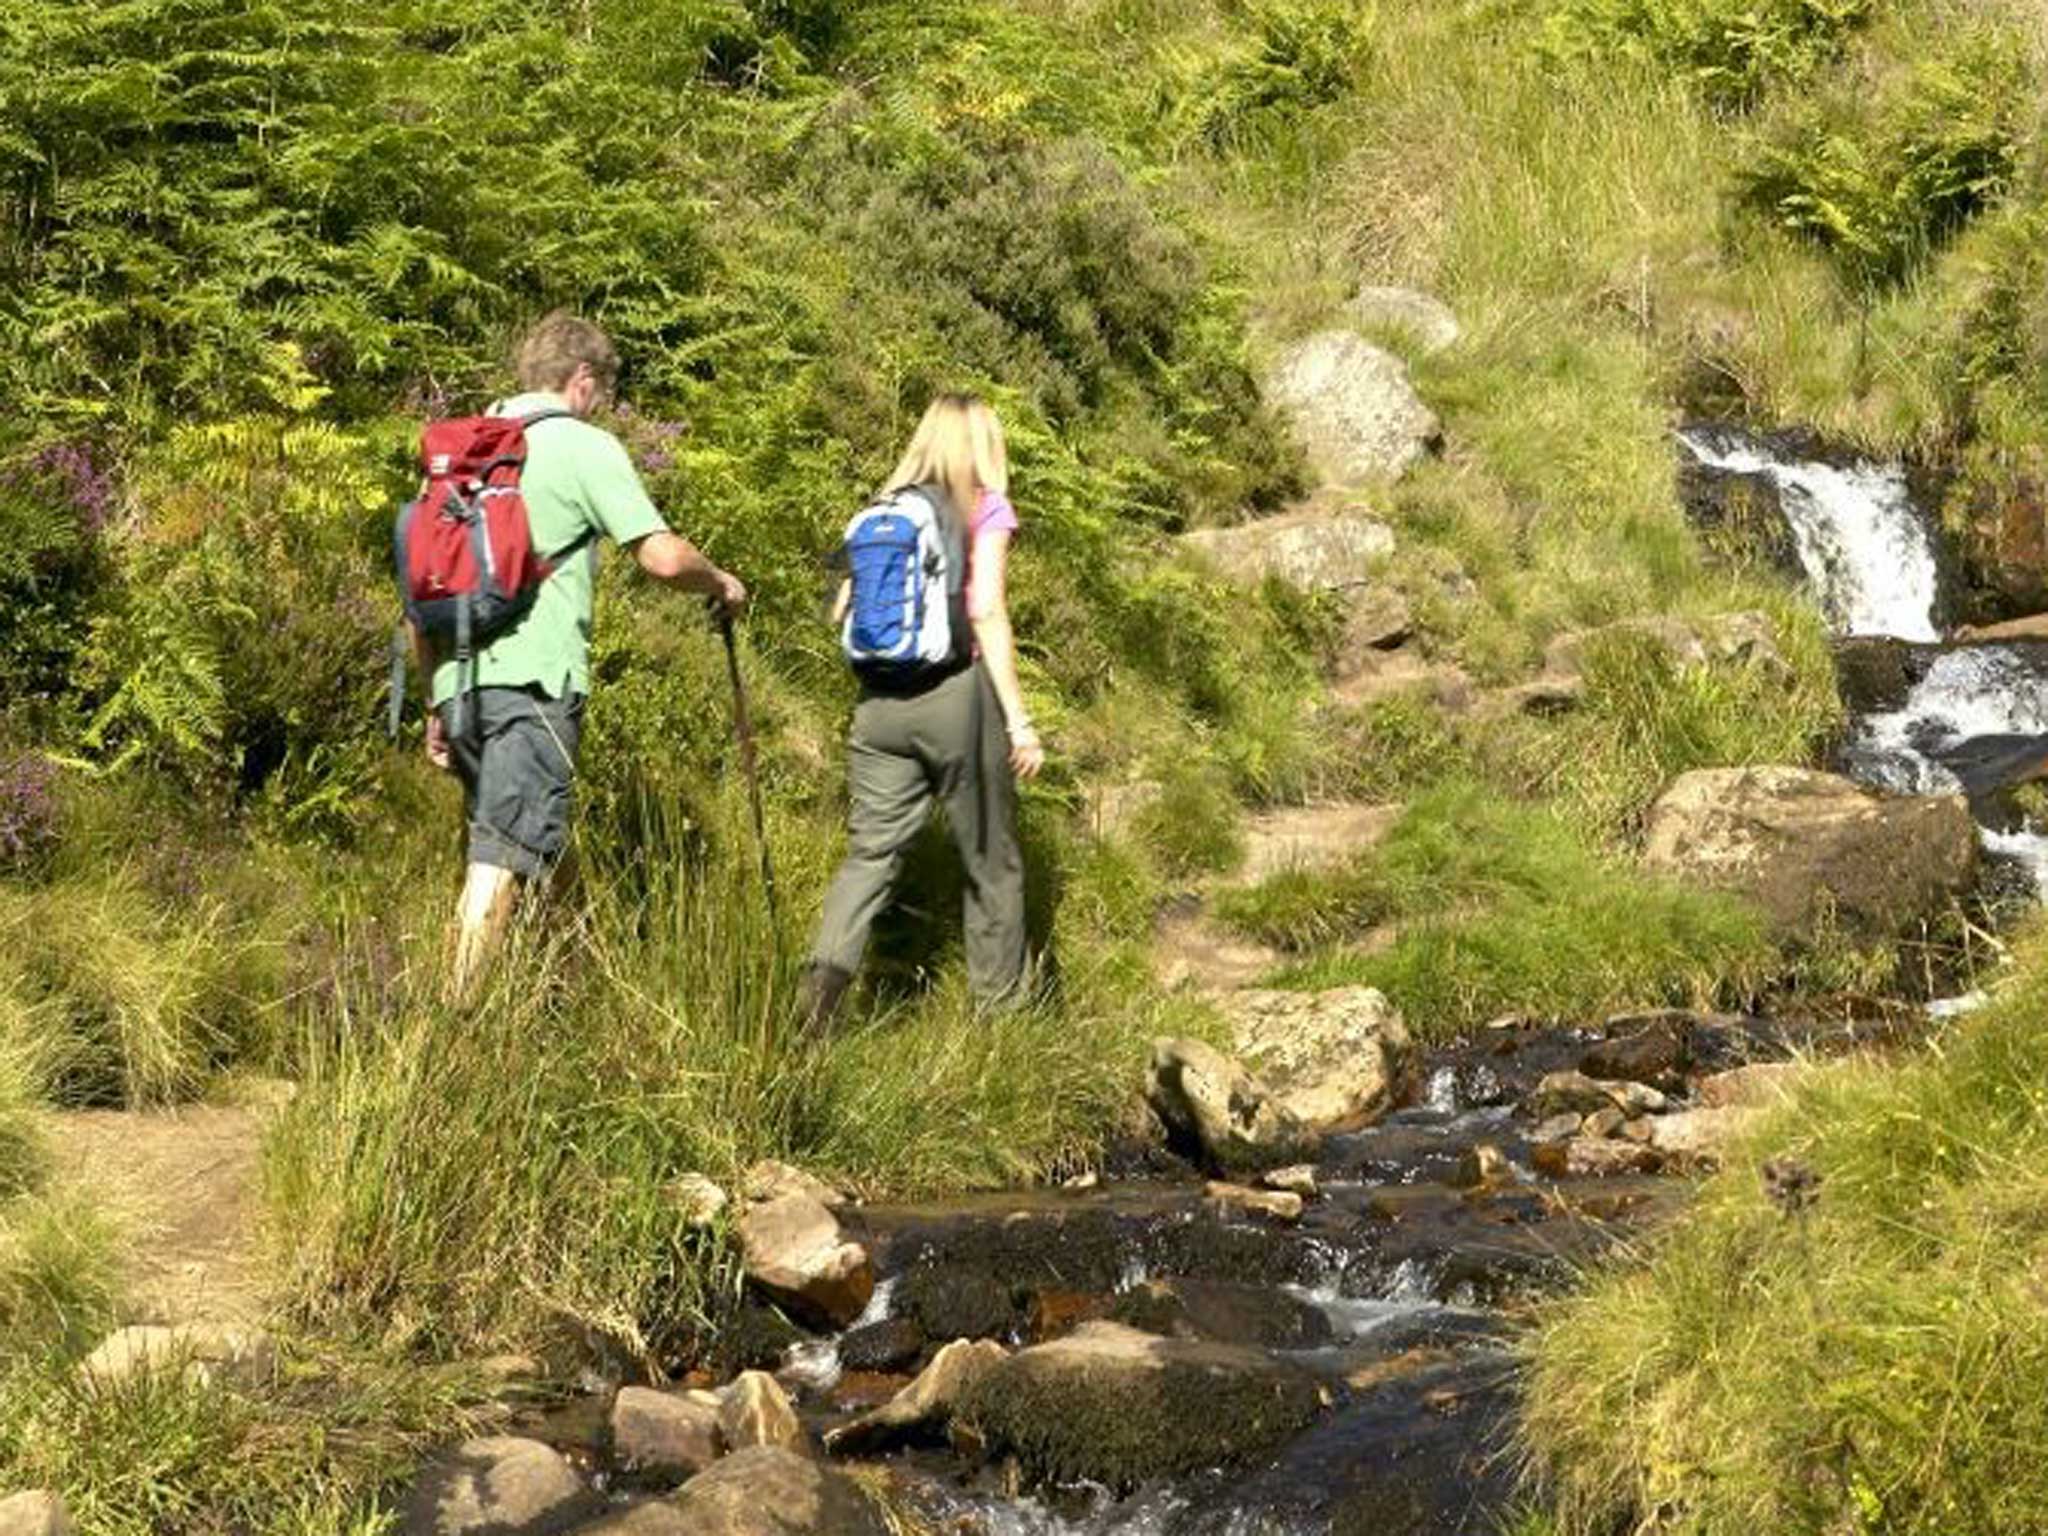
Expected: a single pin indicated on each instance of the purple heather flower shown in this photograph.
(28, 806)
(73, 471)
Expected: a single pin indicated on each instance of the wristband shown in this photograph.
(1023, 730)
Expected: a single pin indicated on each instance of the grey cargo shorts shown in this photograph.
(517, 762)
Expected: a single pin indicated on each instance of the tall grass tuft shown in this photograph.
(1876, 1363)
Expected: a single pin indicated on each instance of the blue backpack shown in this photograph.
(906, 562)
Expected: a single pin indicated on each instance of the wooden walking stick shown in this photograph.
(743, 727)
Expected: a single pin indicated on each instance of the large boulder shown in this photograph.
(794, 1251)
(1333, 1060)
(1120, 1407)
(1424, 322)
(1205, 1098)
(497, 1486)
(1310, 550)
(34, 1514)
(768, 1491)
(1353, 406)
(1812, 847)
(925, 1407)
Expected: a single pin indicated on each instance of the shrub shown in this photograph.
(28, 809)
(55, 506)
(1881, 179)
(1731, 49)
(1304, 55)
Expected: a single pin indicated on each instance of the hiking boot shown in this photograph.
(818, 996)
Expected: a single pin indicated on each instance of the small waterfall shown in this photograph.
(1976, 719)
(1864, 545)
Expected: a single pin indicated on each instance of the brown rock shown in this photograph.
(667, 1434)
(795, 1252)
(1295, 1179)
(1603, 1123)
(494, 1485)
(1758, 1084)
(769, 1180)
(755, 1412)
(925, 1407)
(768, 1491)
(1276, 1203)
(1483, 1167)
(34, 1514)
(1583, 1158)
(658, 1518)
(700, 1201)
(1809, 848)
(1654, 1052)
(1558, 1127)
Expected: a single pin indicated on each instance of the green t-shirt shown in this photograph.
(579, 483)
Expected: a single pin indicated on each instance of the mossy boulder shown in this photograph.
(1812, 848)
(1256, 1315)
(1113, 1405)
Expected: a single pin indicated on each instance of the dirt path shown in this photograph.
(183, 1183)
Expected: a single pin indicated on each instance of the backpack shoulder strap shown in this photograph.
(552, 413)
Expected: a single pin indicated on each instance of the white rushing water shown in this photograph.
(1870, 555)
(1864, 546)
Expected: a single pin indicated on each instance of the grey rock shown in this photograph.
(1309, 550)
(1334, 1060)
(667, 1434)
(1203, 1096)
(1354, 407)
(1426, 322)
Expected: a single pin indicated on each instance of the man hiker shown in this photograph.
(507, 723)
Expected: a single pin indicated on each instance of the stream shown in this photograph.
(1428, 1235)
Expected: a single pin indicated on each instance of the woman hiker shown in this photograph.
(925, 623)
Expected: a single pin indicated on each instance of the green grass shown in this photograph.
(1498, 907)
(1876, 1365)
(498, 1179)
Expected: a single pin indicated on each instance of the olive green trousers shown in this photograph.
(946, 744)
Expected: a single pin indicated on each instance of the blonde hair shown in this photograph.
(558, 345)
(958, 445)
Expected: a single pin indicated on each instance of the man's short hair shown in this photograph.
(560, 343)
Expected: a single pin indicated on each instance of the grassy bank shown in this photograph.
(1874, 1363)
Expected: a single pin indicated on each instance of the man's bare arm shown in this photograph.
(674, 560)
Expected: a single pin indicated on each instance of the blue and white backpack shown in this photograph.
(906, 563)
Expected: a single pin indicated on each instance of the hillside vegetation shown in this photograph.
(245, 247)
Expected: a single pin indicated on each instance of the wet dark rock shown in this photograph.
(497, 1486)
(924, 1409)
(1644, 1048)
(1875, 675)
(1224, 1313)
(767, 1491)
(890, 1345)
(954, 1301)
(1120, 1407)
(755, 1339)
(1423, 1453)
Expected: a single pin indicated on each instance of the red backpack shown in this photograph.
(467, 568)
